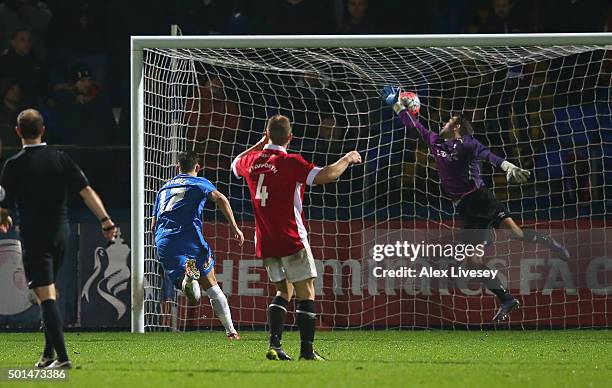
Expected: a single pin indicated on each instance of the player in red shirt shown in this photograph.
(276, 182)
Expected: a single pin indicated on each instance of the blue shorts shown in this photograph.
(174, 261)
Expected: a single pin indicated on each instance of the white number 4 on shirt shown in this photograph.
(262, 191)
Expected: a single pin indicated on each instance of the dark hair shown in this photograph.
(31, 123)
(279, 128)
(6, 84)
(465, 125)
(19, 30)
(187, 161)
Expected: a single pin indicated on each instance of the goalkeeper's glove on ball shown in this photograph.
(515, 173)
(390, 94)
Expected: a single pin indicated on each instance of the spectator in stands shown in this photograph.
(10, 93)
(19, 62)
(357, 19)
(210, 17)
(295, 17)
(503, 19)
(88, 39)
(573, 15)
(213, 120)
(440, 17)
(34, 16)
(83, 113)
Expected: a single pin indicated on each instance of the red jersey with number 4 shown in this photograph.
(276, 182)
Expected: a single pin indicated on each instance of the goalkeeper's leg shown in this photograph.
(533, 236)
(508, 302)
(218, 301)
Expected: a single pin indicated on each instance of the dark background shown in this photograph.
(71, 60)
(72, 39)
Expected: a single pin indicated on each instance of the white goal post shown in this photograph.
(546, 45)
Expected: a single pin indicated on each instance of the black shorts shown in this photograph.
(480, 211)
(43, 257)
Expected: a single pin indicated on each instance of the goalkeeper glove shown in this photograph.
(514, 172)
(390, 95)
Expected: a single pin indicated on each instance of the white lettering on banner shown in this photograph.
(592, 280)
(527, 276)
(559, 277)
(337, 267)
(361, 277)
(225, 277)
(244, 277)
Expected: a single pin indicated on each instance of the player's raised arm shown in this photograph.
(221, 201)
(392, 96)
(333, 171)
(256, 147)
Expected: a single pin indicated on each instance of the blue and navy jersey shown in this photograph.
(178, 209)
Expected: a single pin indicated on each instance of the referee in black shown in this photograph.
(36, 182)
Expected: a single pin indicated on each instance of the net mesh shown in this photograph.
(546, 109)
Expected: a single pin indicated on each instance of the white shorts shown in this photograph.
(297, 267)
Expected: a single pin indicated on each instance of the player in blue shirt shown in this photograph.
(186, 256)
(458, 155)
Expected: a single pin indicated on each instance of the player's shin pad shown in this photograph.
(276, 320)
(306, 320)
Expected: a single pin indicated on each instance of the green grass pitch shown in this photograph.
(355, 358)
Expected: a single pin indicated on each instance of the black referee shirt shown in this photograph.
(37, 181)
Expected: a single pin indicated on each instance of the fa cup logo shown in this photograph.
(116, 275)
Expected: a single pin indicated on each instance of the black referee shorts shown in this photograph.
(43, 257)
(480, 211)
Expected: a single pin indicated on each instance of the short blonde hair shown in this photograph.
(279, 128)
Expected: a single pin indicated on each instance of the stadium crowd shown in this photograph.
(69, 59)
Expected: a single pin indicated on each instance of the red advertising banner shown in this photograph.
(553, 293)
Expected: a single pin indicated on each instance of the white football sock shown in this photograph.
(222, 310)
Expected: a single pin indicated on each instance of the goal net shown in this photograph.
(545, 108)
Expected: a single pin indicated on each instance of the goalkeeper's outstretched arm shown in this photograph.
(413, 123)
(333, 171)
